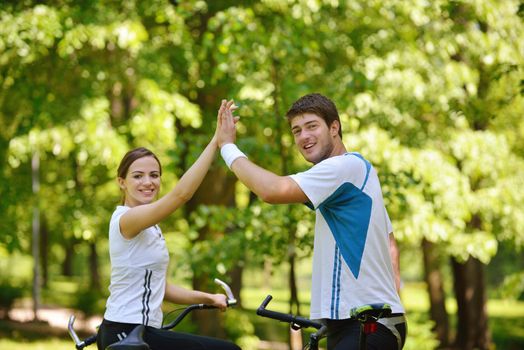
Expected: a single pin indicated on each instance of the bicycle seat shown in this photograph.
(134, 341)
(371, 311)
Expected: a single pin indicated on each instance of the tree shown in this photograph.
(430, 92)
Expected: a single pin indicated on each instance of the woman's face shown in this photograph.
(142, 182)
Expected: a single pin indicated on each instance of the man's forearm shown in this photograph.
(262, 182)
(395, 260)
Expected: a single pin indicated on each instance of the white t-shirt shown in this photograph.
(351, 260)
(138, 274)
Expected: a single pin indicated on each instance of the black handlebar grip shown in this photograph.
(90, 340)
(265, 302)
(86, 342)
(300, 321)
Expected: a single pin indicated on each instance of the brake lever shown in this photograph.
(230, 297)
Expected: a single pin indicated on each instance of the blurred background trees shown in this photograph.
(430, 92)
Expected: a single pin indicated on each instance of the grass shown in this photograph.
(41, 344)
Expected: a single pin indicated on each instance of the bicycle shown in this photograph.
(367, 315)
(135, 341)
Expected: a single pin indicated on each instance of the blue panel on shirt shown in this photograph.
(347, 212)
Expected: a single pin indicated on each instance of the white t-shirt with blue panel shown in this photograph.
(351, 260)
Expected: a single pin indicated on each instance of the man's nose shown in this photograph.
(303, 136)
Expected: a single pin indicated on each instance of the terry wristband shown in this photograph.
(230, 153)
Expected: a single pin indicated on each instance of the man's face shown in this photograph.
(314, 139)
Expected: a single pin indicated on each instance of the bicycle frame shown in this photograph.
(231, 301)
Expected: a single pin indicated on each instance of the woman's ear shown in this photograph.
(121, 183)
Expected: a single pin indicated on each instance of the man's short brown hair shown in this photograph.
(317, 104)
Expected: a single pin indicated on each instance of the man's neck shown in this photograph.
(339, 149)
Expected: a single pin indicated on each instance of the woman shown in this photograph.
(139, 257)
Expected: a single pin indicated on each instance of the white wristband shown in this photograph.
(230, 153)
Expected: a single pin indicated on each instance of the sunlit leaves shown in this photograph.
(480, 245)
(28, 35)
(126, 35)
(481, 155)
(95, 126)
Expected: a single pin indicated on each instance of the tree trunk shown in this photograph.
(295, 337)
(93, 267)
(437, 297)
(236, 283)
(218, 188)
(44, 252)
(4, 145)
(35, 166)
(294, 303)
(67, 265)
(470, 292)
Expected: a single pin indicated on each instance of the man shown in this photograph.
(355, 259)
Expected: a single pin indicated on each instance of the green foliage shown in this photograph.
(88, 301)
(240, 329)
(513, 286)
(420, 335)
(253, 234)
(9, 293)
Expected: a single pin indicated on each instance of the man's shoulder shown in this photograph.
(345, 159)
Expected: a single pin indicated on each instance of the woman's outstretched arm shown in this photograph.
(143, 216)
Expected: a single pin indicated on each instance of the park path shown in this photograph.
(56, 317)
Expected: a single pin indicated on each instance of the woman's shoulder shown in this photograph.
(114, 224)
(119, 210)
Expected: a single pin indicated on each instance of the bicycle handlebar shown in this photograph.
(231, 301)
(79, 344)
(294, 320)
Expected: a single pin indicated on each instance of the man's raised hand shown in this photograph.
(226, 130)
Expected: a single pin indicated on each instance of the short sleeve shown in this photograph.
(324, 178)
(114, 225)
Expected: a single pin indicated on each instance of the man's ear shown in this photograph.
(334, 127)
